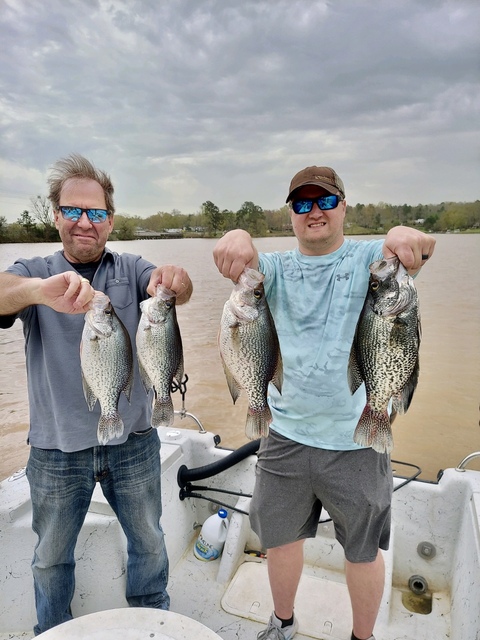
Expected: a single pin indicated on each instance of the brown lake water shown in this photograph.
(441, 426)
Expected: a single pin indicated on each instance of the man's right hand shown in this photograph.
(66, 293)
(234, 252)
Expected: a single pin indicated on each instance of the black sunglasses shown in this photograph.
(75, 213)
(305, 205)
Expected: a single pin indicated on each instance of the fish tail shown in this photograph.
(373, 430)
(163, 414)
(258, 423)
(109, 427)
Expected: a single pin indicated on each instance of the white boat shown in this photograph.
(432, 586)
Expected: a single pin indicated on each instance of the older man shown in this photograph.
(49, 295)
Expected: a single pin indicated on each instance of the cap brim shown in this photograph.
(328, 187)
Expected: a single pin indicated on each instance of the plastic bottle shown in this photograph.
(210, 541)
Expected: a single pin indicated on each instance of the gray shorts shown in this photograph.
(294, 480)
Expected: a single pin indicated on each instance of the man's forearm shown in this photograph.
(16, 293)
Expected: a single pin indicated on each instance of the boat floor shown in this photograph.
(231, 595)
(241, 609)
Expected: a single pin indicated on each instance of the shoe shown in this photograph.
(370, 638)
(274, 630)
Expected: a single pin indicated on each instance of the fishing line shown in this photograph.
(180, 386)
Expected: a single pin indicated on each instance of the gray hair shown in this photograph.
(78, 167)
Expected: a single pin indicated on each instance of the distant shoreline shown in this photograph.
(190, 235)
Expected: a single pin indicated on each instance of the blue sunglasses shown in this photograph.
(305, 205)
(75, 213)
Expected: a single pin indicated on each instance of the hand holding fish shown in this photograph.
(235, 252)
(65, 292)
(412, 247)
(78, 295)
(173, 278)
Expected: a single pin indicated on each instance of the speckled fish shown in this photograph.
(107, 365)
(384, 352)
(160, 352)
(250, 350)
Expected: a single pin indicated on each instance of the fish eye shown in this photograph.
(108, 312)
(374, 286)
(257, 294)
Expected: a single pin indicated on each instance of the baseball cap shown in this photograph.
(320, 176)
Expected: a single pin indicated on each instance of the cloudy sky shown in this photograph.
(184, 101)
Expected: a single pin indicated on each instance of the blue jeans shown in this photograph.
(61, 486)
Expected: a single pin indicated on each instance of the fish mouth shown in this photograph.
(398, 300)
(100, 301)
(388, 267)
(163, 293)
(97, 324)
(155, 310)
(250, 278)
(244, 312)
(402, 274)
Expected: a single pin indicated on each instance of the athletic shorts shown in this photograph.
(293, 482)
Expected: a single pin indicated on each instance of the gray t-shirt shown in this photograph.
(59, 416)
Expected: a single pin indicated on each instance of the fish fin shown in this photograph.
(90, 397)
(179, 372)
(398, 332)
(109, 427)
(258, 423)
(354, 374)
(163, 414)
(233, 385)
(129, 386)
(403, 399)
(145, 378)
(277, 379)
(373, 430)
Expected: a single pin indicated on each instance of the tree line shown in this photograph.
(37, 224)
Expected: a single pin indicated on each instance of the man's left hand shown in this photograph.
(412, 247)
(174, 278)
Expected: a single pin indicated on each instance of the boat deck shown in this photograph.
(241, 608)
(231, 595)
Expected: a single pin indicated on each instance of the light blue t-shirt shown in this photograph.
(316, 302)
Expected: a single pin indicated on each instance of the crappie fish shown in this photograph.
(107, 365)
(160, 352)
(384, 352)
(250, 350)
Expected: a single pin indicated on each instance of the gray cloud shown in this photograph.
(187, 101)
